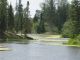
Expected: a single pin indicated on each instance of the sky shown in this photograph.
(34, 5)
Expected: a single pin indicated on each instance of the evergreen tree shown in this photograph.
(10, 18)
(3, 18)
(27, 22)
(41, 27)
(49, 14)
(72, 26)
(61, 14)
(19, 17)
(16, 17)
(35, 19)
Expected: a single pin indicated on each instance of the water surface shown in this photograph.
(38, 51)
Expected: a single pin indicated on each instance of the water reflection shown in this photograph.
(40, 52)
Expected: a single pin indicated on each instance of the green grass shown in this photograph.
(74, 41)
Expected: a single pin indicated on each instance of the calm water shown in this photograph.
(38, 51)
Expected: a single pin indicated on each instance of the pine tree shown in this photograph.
(27, 23)
(10, 18)
(61, 14)
(41, 27)
(19, 17)
(3, 18)
(51, 15)
(48, 10)
(35, 19)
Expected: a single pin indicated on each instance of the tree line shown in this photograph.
(14, 21)
(60, 17)
(55, 16)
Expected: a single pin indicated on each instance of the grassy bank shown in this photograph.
(74, 41)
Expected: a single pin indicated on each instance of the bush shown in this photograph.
(74, 41)
(69, 29)
(78, 39)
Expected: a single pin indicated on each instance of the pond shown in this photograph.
(38, 51)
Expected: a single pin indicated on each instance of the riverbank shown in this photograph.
(45, 39)
(12, 37)
(49, 39)
(53, 40)
(51, 44)
(74, 41)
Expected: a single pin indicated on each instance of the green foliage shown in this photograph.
(74, 41)
(19, 17)
(69, 29)
(27, 26)
(35, 19)
(27, 23)
(55, 15)
(23, 21)
(41, 27)
(61, 14)
(35, 24)
(48, 10)
(10, 18)
(3, 18)
(78, 39)
(72, 26)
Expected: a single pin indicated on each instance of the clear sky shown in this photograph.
(34, 5)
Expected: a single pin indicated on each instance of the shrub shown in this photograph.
(74, 41)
